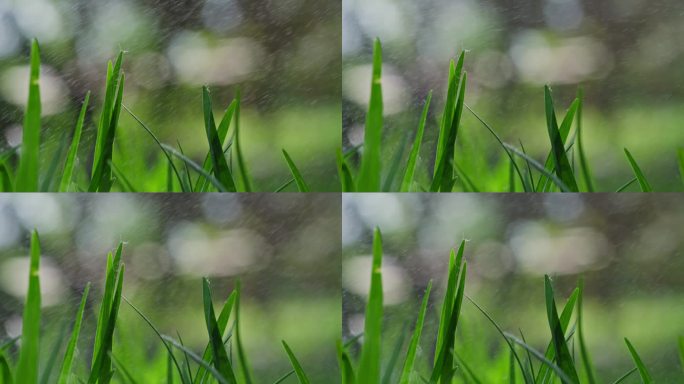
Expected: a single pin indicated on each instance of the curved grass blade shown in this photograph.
(371, 166)
(562, 353)
(535, 164)
(73, 149)
(27, 367)
(284, 377)
(559, 372)
(415, 149)
(65, 371)
(643, 372)
(584, 164)
(27, 176)
(221, 169)
(346, 367)
(301, 184)
(626, 185)
(369, 367)
(415, 339)
(169, 150)
(246, 182)
(220, 357)
(560, 159)
(301, 375)
(242, 356)
(643, 183)
(625, 376)
(584, 352)
(284, 185)
(217, 375)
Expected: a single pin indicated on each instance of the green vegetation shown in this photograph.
(453, 168)
(21, 170)
(215, 365)
(450, 358)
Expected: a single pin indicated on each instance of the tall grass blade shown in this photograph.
(6, 183)
(246, 182)
(27, 176)
(388, 370)
(102, 175)
(371, 166)
(221, 170)
(299, 371)
(217, 375)
(407, 180)
(556, 369)
(455, 261)
(301, 184)
(562, 353)
(65, 371)
(220, 357)
(444, 177)
(643, 372)
(5, 370)
(395, 164)
(344, 173)
(584, 352)
(171, 151)
(643, 183)
(369, 367)
(73, 149)
(584, 164)
(560, 159)
(102, 365)
(345, 364)
(565, 317)
(27, 367)
(222, 323)
(454, 81)
(415, 339)
(241, 355)
(564, 131)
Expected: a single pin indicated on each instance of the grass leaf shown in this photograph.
(221, 170)
(73, 149)
(562, 354)
(27, 176)
(67, 363)
(560, 159)
(584, 164)
(643, 183)
(242, 356)
(371, 166)
(584, 352)
(220, 357)
(415, 339)
(27, 367)
(301, 375)
(301, 184)
(415, 149)
(246, 182)
(643, 372)
(369, 367)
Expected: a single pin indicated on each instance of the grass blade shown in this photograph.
(586, 359)
(415, 149)
(369, 367)
(562, 353)
(220, 357)
(246, 182)
(217, 375)
(415, 339)
(584, 164)
(564, 131)
(565, 317)
(67, 363)
(626, 185)
(560, 159)
(559, 372)
(371, 166)
(455, 261)
(344, 173)
(681, 351)
(301, 375)
(301, 184)
(73, 149)
(222, 323)
(171, 151)
(346, 367)
(5, 370)
(242, 356)
(643, 372)
(27, 368)
(643, 183)
(27, 176)
(625, 376)
(444, 176)
(221, 170)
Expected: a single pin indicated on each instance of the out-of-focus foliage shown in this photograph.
(625, 54)
(627, 248)
(283, 248)
(283, 55)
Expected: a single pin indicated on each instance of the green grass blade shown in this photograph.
(217, 375)
(301, 184)
(560, 159)
(388, 370)
(126, 185)
(246, 182)
(344, 173)
(643, 372)
(371, 166)
(584, 164)
(301, 375)
(564, 131)
(626, 185)
(111, 83)
(681, 351)
(113, 265)
(27, 176)
(27, 367)
(643, 183)
(171, 151)
(242, 356)
(369, 367)
(345, 364)
(6, 184)
(454, 81)
(395, 164)
(625, 376)
(565, 317)
(222, 323)
(415, 149)
(126, 375)
(67, 363)
(562, 353)
(221, 170)
(222, 129)
(73, 149)
(5, 370)
(556, 369)
(455, 261)
(220, 357)
(536, 165)
(415, 339)
(584, 352)
(102, 366)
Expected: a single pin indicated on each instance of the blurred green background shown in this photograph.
(284, 55)
(628, 248)
(626, 54)
(284, 247)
